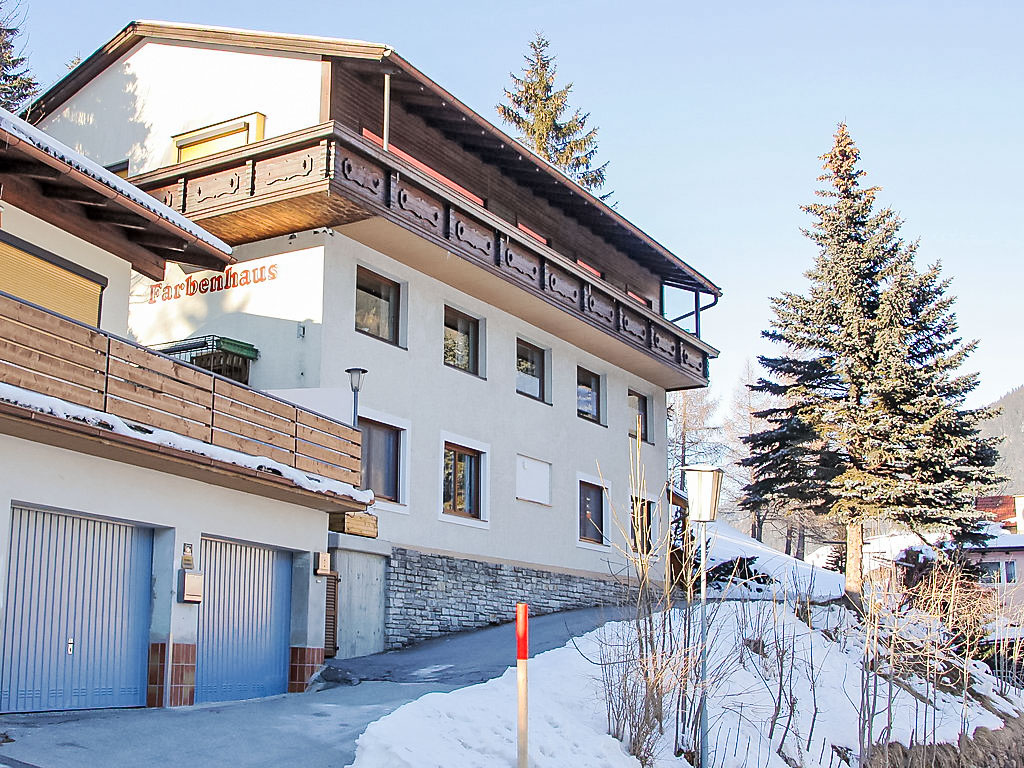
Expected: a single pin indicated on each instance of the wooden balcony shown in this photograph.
(46, 353)
(328, 176)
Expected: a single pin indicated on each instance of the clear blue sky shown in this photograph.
(713, 115)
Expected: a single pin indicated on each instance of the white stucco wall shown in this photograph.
(114, 309)
(38, 475)
(409, 387)
(132, 108)
(280, 311)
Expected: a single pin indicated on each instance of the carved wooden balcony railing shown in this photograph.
(328, 175)
(46, 353)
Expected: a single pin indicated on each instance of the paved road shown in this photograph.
(315, 730)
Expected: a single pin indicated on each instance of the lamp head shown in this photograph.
(355, 377)
(703, 489)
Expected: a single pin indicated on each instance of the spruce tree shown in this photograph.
(535, 108)
(16, 83)
(874, 425)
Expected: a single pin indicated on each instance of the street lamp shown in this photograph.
(703, 488)
(355, 379)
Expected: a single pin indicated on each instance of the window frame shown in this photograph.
(543, 397)
(404, 426)
(395, 313)
(581, 539)
(992, 576)
(598, 396)
(645, 432)
(397, 431)
(483, 451)
(252, 124)
(476, 341)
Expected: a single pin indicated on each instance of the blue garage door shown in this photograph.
(244, 621)
(76, 622)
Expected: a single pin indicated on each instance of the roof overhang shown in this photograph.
(424, 97)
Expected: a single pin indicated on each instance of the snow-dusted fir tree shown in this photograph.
(16, 82)
(535, 108)
(873, 425)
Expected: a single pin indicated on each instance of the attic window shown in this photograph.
(118, 169)
(220, 137)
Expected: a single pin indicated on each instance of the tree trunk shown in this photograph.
(789, 539)
(756, 530)
(801, 541)
(855, 562)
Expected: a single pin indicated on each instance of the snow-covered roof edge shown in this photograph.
(15, 126)
(64, 410)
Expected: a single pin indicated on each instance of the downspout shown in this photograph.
(697, 309)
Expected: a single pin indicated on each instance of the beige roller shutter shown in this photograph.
(51, 286)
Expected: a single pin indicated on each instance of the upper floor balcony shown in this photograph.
(330, 176)
(77, 387)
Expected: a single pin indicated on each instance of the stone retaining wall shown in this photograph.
(430, 595)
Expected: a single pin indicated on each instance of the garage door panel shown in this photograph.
(76, 622)
(244, 619)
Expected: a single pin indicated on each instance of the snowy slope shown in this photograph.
(475, 727)
(791, 576)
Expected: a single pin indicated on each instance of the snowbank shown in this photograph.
(791, 576)
(65, 410)
(475, 727)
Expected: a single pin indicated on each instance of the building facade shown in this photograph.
(512, 324)
(135, 520)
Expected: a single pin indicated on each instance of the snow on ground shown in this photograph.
(475, 727)
(792, 576)
(65, 410)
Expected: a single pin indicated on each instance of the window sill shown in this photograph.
(460, 519)
(592, 421)
(389, 342)
(540, 400)
(463, 370)
(592, 545)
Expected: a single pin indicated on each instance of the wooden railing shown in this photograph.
(52, 355)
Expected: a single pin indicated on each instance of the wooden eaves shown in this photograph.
(422, 96)
(66, 197)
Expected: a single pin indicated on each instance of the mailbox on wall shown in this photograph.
(190, 587)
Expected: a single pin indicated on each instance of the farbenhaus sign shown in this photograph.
(233, 277)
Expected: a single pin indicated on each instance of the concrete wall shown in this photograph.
(133, 108)
(114, 309)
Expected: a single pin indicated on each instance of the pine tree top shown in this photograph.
(16, 82)
(535, 108)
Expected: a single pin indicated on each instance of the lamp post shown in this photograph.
(355, 379)
(703, 488)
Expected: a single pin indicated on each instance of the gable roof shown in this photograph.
(435, 105)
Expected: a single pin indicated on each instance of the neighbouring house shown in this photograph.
(150, 555)
(515, 328)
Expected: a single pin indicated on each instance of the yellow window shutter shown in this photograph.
(43, 282)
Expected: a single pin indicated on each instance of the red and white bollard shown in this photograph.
(522, 656)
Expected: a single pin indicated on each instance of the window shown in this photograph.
(640, 529)
(461, 481)
(529, 370)
(588, 395)
(989, 573)
(219, 137)
(637, 413)
(43, 278)
(381, 451)
(461, 340)
(533, 480)
(1011, 571)
(591, 513)
(376, 305)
